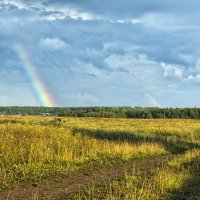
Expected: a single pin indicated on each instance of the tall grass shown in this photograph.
(185, 129)
(30, 152)
(32, 148)
(167, 182)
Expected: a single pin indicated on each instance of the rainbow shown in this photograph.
(39, 89)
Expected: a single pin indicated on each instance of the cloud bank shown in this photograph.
(127, 53)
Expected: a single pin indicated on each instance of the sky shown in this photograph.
(100, 53)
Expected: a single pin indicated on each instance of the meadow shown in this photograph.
(99, 158)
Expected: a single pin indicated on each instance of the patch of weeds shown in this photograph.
(5, 185)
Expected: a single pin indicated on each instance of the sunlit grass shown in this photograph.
(32, 148)
(167, 182)
(30, 152)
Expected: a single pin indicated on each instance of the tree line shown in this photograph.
(105, 112)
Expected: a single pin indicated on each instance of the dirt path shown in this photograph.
(51, 189)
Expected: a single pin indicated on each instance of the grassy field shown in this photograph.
(172, 181)
(67, 153)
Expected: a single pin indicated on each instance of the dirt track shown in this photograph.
(51, 189)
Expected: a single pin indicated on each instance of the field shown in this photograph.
(90, 158)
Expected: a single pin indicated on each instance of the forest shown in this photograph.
(105, 112)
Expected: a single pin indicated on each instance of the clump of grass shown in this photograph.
(190, 158)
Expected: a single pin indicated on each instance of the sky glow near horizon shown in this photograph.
(101, 53)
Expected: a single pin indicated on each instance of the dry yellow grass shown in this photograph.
(167, 182)
(30, 152)
(32, 148)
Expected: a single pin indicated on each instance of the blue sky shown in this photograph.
(102, 53)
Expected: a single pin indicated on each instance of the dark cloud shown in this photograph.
(129, 8)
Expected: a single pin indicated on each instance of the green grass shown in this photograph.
(31, 152)
(34, 148)
(171, 181)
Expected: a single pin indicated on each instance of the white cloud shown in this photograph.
(128, 61)
(54, 16)
(17, 3)
(139, 69)
(126, 21)
(172, 71)
(179, 72)
(67, 11)
(52, 11)
(195, 78)
(87, 68)
(53, 43)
